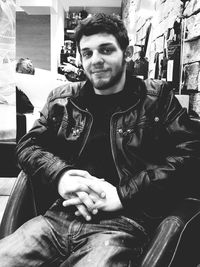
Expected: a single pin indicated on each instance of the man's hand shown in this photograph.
(74, 181)
(109, 203)
(76, 185)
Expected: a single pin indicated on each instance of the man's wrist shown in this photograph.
(61, 177)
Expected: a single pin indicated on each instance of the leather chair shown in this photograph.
(8, 166)
(8, 172)
(175, 242)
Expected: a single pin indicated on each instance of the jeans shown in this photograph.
(59, 238)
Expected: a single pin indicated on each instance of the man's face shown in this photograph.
(102, 59)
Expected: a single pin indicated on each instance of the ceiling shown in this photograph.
(95, 9)
(92, 6)
(87, 3)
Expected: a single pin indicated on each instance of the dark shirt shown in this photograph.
(97, 157)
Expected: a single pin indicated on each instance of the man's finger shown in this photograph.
(84, 174)
(83, 212)
(76, 172)
(95, 211)
(86, 200)
(94, 197)
(76, 185)
(71, 202)
(96, 187)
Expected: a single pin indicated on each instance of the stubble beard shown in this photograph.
(101, 84)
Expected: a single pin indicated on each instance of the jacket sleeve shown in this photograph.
(158, 186)
(34, 153)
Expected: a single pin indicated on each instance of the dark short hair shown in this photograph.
(102, 23)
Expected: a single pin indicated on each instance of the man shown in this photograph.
(117, 150)
(25, 65)
(23, 103)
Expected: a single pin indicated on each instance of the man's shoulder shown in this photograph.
(155, 87)
(68, 90)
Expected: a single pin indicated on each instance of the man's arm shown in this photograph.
(174, 174)
(34, 150)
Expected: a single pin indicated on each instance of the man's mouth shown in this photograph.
(99, 71)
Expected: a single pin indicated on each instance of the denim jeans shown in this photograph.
(59, 238)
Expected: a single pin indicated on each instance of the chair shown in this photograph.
(175, 242)
(8, 172)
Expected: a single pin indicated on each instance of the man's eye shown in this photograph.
(87, 54)
(106, 50)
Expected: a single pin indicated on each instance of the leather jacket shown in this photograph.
(155, 145)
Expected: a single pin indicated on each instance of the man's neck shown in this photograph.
(116, 88)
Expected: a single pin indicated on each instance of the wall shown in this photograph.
(7, 71)
(191, 53)
(170, 33)
(33, 38)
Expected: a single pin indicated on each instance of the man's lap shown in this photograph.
(29, 245)
(61, 236)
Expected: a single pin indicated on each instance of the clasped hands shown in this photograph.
(87, 193)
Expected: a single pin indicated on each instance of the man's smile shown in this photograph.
(99, 71)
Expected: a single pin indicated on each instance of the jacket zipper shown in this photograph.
(113, 130)
(90, 126)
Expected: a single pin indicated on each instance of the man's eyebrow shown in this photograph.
(106, 44)
(101, 45)
(85, 49)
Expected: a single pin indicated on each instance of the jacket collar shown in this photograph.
(134, 87)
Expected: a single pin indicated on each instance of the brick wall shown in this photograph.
(173, 47)
(191, 53)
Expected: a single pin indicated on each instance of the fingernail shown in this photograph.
(95, 211)
(103, 195)
(88, 218)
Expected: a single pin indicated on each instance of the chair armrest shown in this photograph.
(20, 206)
(163, 247)
(8, 160)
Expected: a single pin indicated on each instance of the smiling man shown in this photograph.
(116, 151)
(103, 62)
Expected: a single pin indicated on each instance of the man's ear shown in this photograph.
(128, 53)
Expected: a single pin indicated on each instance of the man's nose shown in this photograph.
(97, 58)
